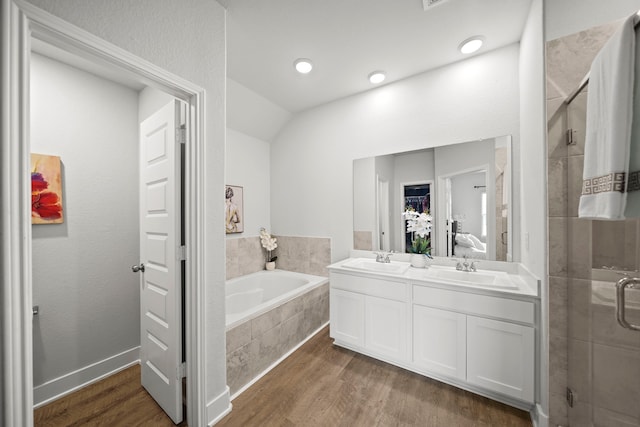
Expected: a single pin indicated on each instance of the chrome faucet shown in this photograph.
(383, 257)
(466, 265)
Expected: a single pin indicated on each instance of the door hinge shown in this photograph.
(182, 253)
(182, 370)
(181, 134)
(570, 397)
(571, 140)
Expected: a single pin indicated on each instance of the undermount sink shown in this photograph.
(365, 264)
(493, 278)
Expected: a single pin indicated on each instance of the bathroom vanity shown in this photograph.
(474, 330)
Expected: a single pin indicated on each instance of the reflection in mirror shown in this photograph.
(466, 208)
(466, 188)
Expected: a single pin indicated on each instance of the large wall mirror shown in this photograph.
(466, 188)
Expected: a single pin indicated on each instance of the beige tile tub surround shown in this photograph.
(363, 240)
(255, 345)
(588, 350)
(309, 255)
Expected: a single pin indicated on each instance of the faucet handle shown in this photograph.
(474, 265)
(458, 264)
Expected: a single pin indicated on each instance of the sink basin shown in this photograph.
(496, 279)
(395, 267)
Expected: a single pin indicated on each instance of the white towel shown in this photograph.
(608, 133)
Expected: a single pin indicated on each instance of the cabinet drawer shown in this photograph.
(483, 305)
(389, 289)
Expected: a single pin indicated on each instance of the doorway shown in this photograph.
(416, 196)
(88, 324)
(29, 26)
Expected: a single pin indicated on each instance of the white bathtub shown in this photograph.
(254, 294)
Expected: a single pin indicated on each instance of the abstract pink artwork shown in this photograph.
(46, 190)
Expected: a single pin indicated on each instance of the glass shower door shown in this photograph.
(603, 356)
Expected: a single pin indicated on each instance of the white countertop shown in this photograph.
(512, 279)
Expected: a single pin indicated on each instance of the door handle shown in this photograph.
(621, 286)
(138, 268)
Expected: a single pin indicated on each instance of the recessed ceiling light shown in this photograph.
(377, 77)
(303, 65)
(471, 44)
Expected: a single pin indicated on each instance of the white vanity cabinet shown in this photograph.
(480, 341)
(495, 334)
(370, 313)
(347, 317)
(439, 341)
(501, 357)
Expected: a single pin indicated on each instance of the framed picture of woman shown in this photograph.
(233, 209)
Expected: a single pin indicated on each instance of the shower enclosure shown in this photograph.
(594, 367)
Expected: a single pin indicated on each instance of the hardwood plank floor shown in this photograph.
(318, 385)
(119, 400)
(324, 385)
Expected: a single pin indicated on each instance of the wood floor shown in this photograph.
(118, 400)
(324, 385)
(318, 385)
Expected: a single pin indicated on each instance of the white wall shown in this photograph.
(311, 161)
(252, 114)
(88, 297)
(189, 42)
(564, 17)
(533, 196)
(150, 101)
(247, 165)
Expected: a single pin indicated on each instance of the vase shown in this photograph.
(270, 265)
(418, 261)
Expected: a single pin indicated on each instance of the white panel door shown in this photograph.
(500, 357)
(160, 298)
(440, 341)
(385, 327)
(347, 317)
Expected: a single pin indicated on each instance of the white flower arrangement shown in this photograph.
(419, 224)
(269, 243)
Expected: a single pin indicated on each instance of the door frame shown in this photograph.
(21, 23)
(403, 222)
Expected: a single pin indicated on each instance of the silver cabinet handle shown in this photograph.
(621, 286)
(138, 268)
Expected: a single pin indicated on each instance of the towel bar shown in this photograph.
(621, 286)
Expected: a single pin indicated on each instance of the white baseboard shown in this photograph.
(277, 362)
(219, 407)
(61, 386)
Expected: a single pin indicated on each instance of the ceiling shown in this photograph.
(348, 39)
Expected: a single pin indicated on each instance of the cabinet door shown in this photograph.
(500, 357)
(440, 341)
(386, 327)
(347, 317)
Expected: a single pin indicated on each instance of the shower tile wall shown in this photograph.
(578, 320)
(310, 255)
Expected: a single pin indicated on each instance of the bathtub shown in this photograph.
(269, 315)
(250, 296)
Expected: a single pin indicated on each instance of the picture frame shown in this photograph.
(46, 189)
(234, 209)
